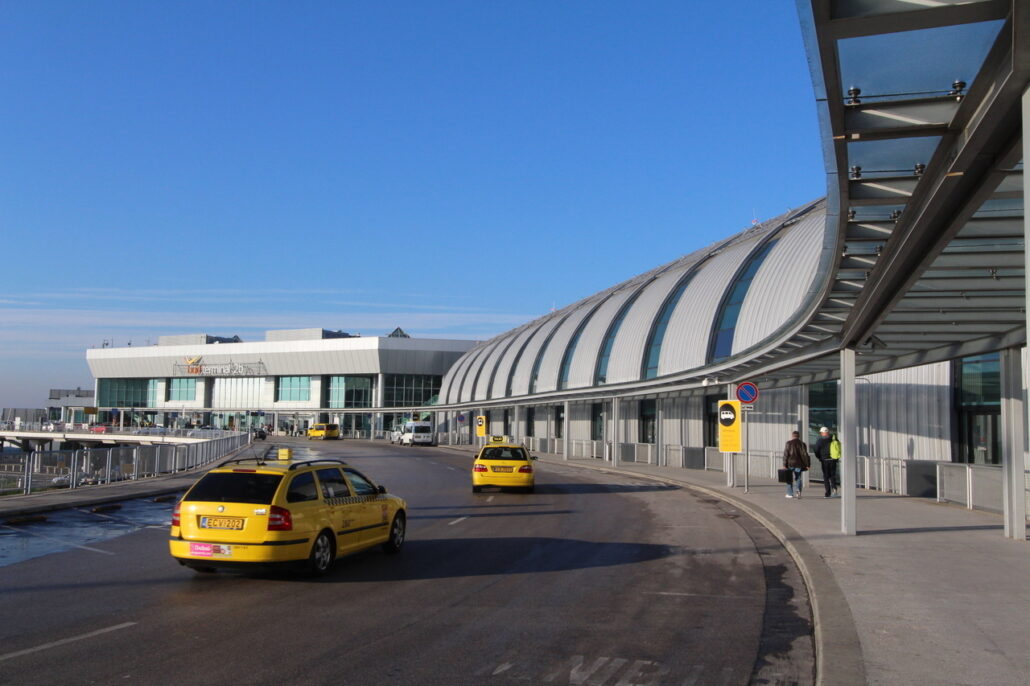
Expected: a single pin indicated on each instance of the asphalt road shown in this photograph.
(594, 580)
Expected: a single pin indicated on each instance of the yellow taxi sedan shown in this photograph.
(250, 513)
(504, 464)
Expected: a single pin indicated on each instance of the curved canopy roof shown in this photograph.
(916, 255)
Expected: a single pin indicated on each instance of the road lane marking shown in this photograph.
(57, 540)
(490, 499)
(459, 519)
(64, 641)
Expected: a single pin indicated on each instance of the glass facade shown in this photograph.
(530, 421)
(722, 339)
(350, 391)
(293, 388)
(181, 390)
(597, 422)
(410, 390)
(237, 392)
(822, 408)
(653, 350)
(978, 409)
(559, 421)
(566, 360)
(648, 423)
(127, 392)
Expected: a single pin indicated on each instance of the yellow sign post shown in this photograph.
(481, 426)
(729, 427)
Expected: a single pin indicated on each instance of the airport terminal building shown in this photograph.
(289, 381)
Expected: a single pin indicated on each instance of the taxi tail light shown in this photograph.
(280, 519)
(479, 468)
(176, 514)
(526, 469)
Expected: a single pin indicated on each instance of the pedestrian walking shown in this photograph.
(824, 450)
(795, 458)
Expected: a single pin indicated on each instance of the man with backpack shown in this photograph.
(827, 449)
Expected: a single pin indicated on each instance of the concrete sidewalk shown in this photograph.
(927, 593)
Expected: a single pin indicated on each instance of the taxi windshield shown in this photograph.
(235, 487)
(499, 453)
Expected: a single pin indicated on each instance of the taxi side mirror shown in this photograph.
(532, 457)
(380, 489)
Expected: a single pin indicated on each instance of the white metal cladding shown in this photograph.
(690, 327)
(524, 368)
(550, 365)
(776, 414)
(481, 374)
(500, 376)
(785, 277)
(491, 371)
(468, 379)
(451, 385)
(584, 359)
(286, 358)
(909, 411)
(628, 350)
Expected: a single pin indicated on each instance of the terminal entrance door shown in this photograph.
(980, 438)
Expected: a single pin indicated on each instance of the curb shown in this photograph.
(835, 636)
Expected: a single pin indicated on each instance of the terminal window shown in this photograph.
(181, 390)
(293, 388)
(127, 392)
(350, 391)
(410, 390)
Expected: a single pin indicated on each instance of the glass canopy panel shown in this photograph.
(907, 64)
(846, 9)
(891, 157)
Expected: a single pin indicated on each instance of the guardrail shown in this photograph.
(40, 470)
(977, 486)
(58, 429)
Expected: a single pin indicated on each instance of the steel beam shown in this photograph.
(1013, 462)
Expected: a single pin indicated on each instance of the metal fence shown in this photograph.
(40, 470)
(58, 429)
(977, 486)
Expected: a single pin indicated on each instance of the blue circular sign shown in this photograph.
(747, 392)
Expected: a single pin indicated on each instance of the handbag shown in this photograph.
(785, 476)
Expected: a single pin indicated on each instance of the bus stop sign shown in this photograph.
(747, 392)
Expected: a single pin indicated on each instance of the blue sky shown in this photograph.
(453, 168)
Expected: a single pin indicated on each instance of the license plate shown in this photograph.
(503, 469)
(234, 523)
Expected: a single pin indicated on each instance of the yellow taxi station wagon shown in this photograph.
(252, 512)
(503, 464)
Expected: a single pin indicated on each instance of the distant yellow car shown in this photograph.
(252, 512)
(504, 464)
(324, 431)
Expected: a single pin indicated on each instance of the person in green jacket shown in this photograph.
(827, 450)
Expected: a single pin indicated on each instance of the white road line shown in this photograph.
(57, 540)
(490, 499)
(64, 641)
(459, 519)
(453, 469)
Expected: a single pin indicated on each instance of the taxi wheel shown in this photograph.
(397, 532)
(477, 489)
(323, 554)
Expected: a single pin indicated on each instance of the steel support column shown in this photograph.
(515, 428)
(566, 425)
(659, 448)
(616, 432)
(1012, 459)
(848, 420)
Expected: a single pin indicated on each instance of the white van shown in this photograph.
(417, 433)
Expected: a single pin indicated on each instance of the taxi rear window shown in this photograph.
(422, 430)
(235, 487)
(503, 454)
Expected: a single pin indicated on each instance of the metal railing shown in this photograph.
(58, 428)
(977, 486)
(40, 470)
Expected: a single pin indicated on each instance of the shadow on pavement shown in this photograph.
(928, 529)
(588, 488)
(479, 515)
(463, 557)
